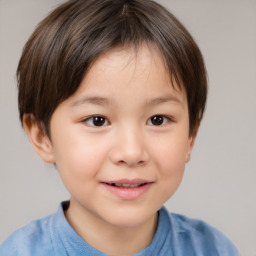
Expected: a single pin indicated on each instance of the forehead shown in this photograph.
(130, 72)
(145, 61)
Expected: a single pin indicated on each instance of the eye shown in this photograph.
(97, 121)
(158, 120)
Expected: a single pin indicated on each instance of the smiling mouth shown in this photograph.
(128, 189)
(124, 185)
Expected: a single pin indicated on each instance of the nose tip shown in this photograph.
(129, 153)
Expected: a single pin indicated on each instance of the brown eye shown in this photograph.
(97, 121)
(158, 120)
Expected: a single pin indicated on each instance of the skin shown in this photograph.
(126, 89)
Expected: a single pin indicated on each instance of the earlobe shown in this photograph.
(38, 138)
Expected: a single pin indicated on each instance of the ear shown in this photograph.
(191, 141)
(38, 138)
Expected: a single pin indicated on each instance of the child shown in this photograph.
(112, 92)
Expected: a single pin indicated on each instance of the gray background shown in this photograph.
(220, 181)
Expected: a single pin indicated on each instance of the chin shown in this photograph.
(129, 219)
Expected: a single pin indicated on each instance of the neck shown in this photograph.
(113, 240)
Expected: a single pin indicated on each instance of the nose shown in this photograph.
(129, 149)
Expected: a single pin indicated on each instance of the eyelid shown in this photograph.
(167, 119)
(90, 118)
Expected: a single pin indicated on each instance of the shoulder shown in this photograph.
(200, 237)
(32, 239)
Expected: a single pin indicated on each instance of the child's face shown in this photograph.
(121, 141)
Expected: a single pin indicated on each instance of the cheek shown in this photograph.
(171, 165)
(171, 155)
(78, 168)
(78, 159)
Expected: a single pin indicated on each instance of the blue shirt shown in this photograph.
(176, 235)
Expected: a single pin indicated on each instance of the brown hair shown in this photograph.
(64, 45)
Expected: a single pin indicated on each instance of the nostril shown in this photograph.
(131, 163)
(121, 162)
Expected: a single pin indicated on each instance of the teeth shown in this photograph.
(126, 185)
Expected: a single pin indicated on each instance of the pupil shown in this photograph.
(98, 120)
(157, 120)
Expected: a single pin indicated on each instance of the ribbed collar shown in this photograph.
(67, 242)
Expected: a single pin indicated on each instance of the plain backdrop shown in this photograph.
(220, 181)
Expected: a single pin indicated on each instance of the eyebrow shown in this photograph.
(160, 100)
(92, 100)
(96, 100)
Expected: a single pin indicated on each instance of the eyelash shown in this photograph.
(103, 121)
(162, 118)
(92, 119)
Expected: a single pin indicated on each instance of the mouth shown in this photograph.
(126, 185)
(128, 189)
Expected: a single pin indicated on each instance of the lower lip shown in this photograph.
(128, 193)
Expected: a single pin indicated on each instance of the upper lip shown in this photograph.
(128, 181)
